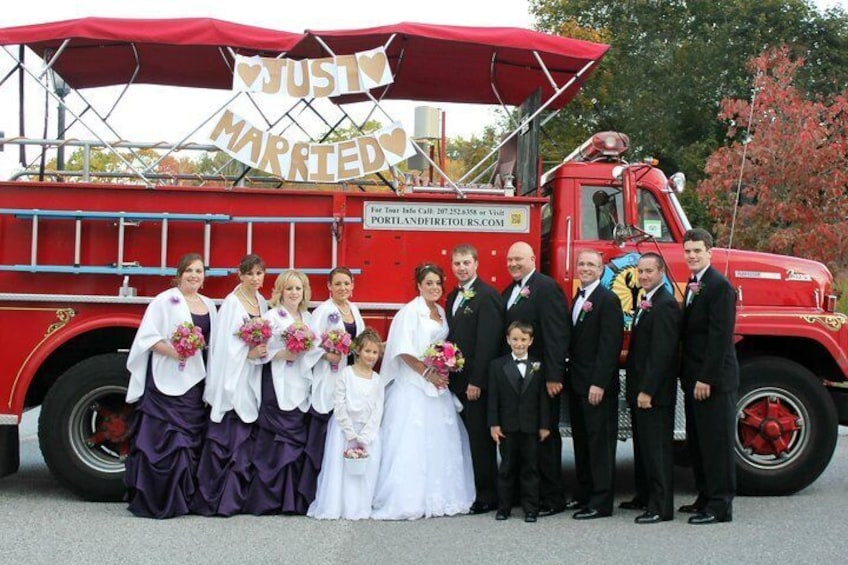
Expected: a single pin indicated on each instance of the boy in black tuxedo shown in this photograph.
(519, 420)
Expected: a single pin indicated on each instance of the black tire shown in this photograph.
(71, 414)
(807, 439)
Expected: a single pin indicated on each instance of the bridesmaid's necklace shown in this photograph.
(254, 303)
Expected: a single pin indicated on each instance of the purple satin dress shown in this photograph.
(165, 438)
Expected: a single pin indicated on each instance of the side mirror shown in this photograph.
(677, 182)
(620, 234)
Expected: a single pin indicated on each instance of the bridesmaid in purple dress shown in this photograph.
(232, 391)
(170, 417)
(281, 429)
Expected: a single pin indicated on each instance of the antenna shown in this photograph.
(745, 143)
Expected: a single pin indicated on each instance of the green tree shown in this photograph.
(671, 62)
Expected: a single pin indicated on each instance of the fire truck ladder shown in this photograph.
(292, 222)
(125, 219)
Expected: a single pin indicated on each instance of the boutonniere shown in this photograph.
(522, 294)
(281, 312)
(333, 318)
(585, 309)
(466, 294)
(695, 288)
(174, 300)
(645, 305)
(534, 366)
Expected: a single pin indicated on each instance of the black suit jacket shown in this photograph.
(516, 404)
(596, 342)
(477, 328)
(652, 359)
(546, 308)
(709, 355)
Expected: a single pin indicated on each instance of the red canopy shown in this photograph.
(177, 52)
(431, 62)
(459, 64)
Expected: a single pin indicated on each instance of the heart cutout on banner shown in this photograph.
(394, 142)
(248, 72)
(373, 65)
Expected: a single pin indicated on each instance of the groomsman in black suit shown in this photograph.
(536, 298)
(652, 365)
(519, 419)
(596, 342)
(709, 375)
(475, 318)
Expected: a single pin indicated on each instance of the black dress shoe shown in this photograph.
(589, 514)
(480, 508)
(650, 518)
(548, 511)
(530, 517)
(575, 505)
(501, 515)
(707, 518)
(696, 507)
(634, 504)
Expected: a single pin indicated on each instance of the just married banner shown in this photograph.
(313, 78)
(311, 162)
(301, 161)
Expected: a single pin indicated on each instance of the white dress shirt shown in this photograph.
(513, 298)
(578, 304)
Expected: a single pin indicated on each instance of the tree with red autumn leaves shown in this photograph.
(794, 177)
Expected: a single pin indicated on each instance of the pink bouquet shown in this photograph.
(187, 339)
(444, 357)
(254, 332)
(336, 341)
(298, 338)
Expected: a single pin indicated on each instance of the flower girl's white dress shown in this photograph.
(357, 414)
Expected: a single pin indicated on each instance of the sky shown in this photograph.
(145, 115)
(182, 111)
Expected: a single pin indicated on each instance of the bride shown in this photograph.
(426, 466)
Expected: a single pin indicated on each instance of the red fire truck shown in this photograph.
(82, 253)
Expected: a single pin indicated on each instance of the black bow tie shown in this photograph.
(521, 361)
(581, 293)
(693, 279)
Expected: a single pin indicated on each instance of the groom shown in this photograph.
(475, 317)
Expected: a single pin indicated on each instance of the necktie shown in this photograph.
(689, 294)
(458, 300)
(516, 293)
(522, 367)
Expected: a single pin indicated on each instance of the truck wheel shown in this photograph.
(787, 427)
(84, 427)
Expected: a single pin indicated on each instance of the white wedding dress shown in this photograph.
(426, 462)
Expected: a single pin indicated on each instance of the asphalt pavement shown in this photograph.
(43, 523)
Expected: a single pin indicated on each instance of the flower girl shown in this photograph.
(352, 452)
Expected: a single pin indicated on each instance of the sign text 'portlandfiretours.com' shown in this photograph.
(437, 216)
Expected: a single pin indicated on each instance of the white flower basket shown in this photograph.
(355, 466)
